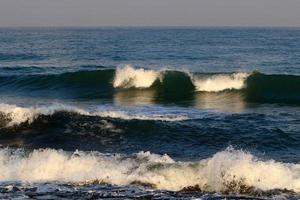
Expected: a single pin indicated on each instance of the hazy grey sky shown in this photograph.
(149, 12)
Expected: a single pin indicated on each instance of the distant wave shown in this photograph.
(104, 83)
(229, 171)
(11, 115)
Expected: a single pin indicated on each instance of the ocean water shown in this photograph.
(150, 113)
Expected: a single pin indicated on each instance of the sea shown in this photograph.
(150, 113)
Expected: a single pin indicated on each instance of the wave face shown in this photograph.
(273, 88)
(229, 171)
(80, 84)
(164, 84)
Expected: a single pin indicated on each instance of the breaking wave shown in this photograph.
(107, 82)
(221, 82)
(11, 115)
(228, 171)
(129, 77)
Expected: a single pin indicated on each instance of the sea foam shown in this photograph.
(226, 170)
(220, 82)
(129, 77)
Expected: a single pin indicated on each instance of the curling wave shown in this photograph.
(228, 171)
(164, 83)
(129, 77)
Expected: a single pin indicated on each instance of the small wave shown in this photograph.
(15, 115)
(226, 171)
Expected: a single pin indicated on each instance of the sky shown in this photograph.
(149, 13)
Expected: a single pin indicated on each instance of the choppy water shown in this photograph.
(150, 113)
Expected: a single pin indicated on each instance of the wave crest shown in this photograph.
(129, 77)
(220, 82)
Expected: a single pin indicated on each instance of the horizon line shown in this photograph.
(151, 26)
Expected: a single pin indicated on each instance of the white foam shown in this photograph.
(17, 115)
(212, 174)
(126, 116)
(220, 82)
(128, 77)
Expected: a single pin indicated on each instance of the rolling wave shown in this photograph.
(229, 171)
(12, 115)
(129, 77)
(105, 83)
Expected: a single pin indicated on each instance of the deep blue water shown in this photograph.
(149, 112)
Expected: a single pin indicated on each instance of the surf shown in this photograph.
(228, 171)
